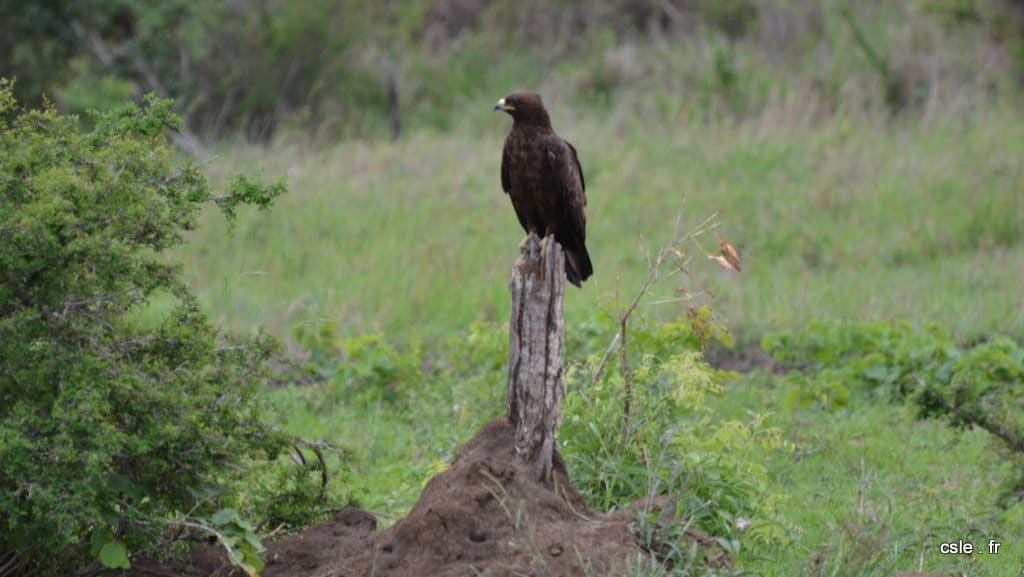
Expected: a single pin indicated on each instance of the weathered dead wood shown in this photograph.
(183, 138)
(535, 351)
(394, 111)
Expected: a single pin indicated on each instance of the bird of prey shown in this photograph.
(541, 174)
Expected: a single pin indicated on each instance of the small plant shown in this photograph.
(675, 549)
(647, 430)
(673, 444)
(856, 549)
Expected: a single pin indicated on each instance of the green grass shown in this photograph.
(870, 490)
(395, 449)
(854, 220)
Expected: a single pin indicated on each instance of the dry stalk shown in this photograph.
(654, 270)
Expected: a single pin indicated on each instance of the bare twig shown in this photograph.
(72, 303)
(972, 417)
(222, 197)
(207, 529)
(316, 447)
(232, 348)
(275, 531)
(10, 564)
(604, 359)
(653, 276)
(158, 572)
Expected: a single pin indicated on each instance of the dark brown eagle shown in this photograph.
(542, 175)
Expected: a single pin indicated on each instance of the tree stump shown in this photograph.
(535, 351)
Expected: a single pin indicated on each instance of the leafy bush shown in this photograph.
(367, 369)
(360, 369)
(671, 443)
(981, 385)
(111, 430)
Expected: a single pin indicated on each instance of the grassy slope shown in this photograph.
(852, 220)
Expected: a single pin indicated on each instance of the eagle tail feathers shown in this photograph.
(585, 268)
(577, 266)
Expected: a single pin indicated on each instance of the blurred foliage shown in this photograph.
(362, 369)
(112, 431)
(323, 67)
(981, 385)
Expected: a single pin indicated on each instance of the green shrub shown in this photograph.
(977, 386)
(296, 490)
(672, 443)
(110, 429)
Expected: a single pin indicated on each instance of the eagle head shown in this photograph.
(525, 108)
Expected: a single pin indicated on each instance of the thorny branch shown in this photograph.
(976, 418)
(72, 303)
(317, 448)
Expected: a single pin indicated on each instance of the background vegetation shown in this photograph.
(865, 156)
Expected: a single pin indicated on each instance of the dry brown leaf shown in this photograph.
(730, 254)
(722, 261)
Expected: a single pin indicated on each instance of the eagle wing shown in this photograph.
(506, 179)
(579, 169)
(565, 178)
(506, 185)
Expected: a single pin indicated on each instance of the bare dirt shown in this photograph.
(486, 515)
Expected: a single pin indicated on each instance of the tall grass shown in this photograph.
(854, 218)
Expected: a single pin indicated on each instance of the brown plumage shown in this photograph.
(541, 174)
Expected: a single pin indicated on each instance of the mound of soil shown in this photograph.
(485, 515)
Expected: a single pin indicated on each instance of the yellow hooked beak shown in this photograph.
(501, 105)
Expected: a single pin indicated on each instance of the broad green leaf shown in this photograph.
(224, 516)
(254, 540)
(113, 555)
(100, 537)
